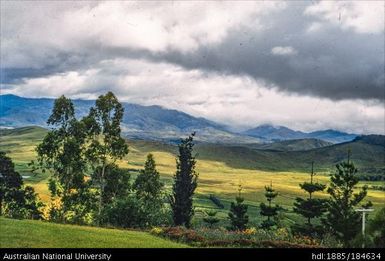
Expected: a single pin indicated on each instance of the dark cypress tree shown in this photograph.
(310, 207)
(238, 213)
(268, 210)
(342, 220)
(185, 183)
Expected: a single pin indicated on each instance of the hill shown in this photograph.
(293, 145)
(140, 122)
(37, 234)
(221, 168)
(368, 152)
(279, 133)
(368, 157)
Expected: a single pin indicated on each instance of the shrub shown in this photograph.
(250, 237)
(126, 213)
(216, 201)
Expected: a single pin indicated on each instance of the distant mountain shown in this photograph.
(158, 123)
(277, 133)
(281, 133)
(293, 145)
(332, 136)
(140, 122)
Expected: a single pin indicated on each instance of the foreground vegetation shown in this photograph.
(38, 234)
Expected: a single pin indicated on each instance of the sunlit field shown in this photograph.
(216, 178)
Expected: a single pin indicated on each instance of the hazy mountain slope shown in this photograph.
(331, 136)
(279, 133)
(368, 156)
(270, 132)
(142, 122)
(293, 145)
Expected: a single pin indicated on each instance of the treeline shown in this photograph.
(88, 186)
(336, 216)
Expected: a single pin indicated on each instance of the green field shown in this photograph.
(39, 234)
(221, 169)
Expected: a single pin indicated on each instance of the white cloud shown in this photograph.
(236, 100)
(283, 50)
(89, 42)
(314, 27)
(361, 16)
(34, 32)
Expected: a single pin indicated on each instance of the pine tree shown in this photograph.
(268, 210)
(211, 218)
(185, 183)
(342, 220)
(238, 213)
(148, 185)
(310, 207)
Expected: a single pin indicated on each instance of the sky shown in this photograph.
(307, 65)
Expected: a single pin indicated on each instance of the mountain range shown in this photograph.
(281, 133)
(158, 123)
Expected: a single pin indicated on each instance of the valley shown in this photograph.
(222, 168)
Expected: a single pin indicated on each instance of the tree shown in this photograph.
(125, 212)
(376, 228)
(238, 213)
(211, 218)
(117, 183)
(10, 180)
(147, 184)
(268, 210)
(16, 200)
(342, 220)
(310, 207)
(62, 152)
(105, 145)
(149, 191)
(185, 183)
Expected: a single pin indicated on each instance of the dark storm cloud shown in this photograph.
(330, 63)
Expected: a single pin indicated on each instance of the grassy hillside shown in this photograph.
(38, 234)
(221, 169)
(294, 145)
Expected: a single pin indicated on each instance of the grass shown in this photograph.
(38, 234)
(221, 169)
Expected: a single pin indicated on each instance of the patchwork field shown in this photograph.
(216, 177)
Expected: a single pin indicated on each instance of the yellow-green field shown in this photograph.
(215, 177)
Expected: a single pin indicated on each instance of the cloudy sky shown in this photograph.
(306, 65)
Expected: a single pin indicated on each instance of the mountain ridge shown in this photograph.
(281, 133)
(142, 122)
(158, 123)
